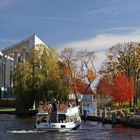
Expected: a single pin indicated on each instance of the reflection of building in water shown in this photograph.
(13, 54)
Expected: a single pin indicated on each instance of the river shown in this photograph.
(21, 128)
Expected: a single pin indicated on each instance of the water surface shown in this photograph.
(21, 128)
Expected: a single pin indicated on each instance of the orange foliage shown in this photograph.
(80, 86)
(104, 87)
(77, 84)
(65, 72)
(54, 74)
(91, 75)
(122, 89)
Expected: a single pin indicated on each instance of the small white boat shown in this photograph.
(58, 121)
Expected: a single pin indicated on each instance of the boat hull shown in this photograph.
(58, 127)
(58, 121)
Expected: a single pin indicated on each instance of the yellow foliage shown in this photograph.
(91, 75)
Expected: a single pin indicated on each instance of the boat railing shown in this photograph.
(60, 116)
(45, 108)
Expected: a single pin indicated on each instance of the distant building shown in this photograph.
(6, 65)
(13, 54)
(18, 51)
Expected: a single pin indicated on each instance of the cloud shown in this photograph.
(110, 8)
(99, 59)
(101, 43)
(114, 8)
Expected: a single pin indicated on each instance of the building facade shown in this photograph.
(6, 65)
(13, 54)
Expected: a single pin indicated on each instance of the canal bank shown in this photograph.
(6, 110)
(127, 122)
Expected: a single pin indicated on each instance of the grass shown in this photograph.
(7, 109)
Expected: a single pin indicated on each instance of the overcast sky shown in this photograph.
(82, 24)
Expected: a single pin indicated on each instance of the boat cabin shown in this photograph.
(57, 117)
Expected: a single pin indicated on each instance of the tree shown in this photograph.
(125, 59)
(71, 70)
(22, 87)
(32, 75)
(55, 88)
(86, 58)
(80, 87)
(122, 89)
(38, 77)
(44, 67)
(104, 88)
(49, 64)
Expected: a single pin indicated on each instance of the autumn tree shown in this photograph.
(80, 86)
(86, 58)
(68, 70)
(104, 91)
(125, 59)
(122, 89)
(77, 65)
(104, 87)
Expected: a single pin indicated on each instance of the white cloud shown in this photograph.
(102, 42)
(99, 59)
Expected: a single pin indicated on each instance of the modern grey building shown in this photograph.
(6, 65)
(11, 55)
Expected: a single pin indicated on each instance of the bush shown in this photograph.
(126, 111)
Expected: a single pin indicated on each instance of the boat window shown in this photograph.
(63, 126)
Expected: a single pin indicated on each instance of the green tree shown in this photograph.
(22, 87)
(31, 77)
(49, 64)
(55, 88)
(37, 81)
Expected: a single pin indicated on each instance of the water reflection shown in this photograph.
(21, 128)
